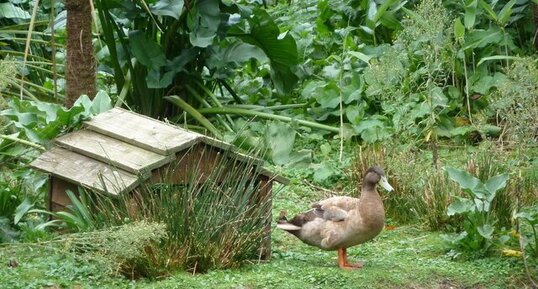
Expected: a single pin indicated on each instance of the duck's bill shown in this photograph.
(385, 184)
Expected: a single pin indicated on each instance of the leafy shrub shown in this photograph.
(480, 224)
(516, 103)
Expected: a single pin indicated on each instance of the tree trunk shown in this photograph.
(80, 70)
(536, 26)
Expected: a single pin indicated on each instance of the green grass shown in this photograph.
(407, 257)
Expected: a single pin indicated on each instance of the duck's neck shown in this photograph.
(371, 207)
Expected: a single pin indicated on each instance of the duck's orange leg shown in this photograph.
(342, 260)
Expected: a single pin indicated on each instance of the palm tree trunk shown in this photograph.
(80, 70)
(536, 26)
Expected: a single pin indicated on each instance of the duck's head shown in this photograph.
(376, 175)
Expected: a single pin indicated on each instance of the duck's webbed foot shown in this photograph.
(343, 263)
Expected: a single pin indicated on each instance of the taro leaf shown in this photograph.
(375, 134)
(481, 205)
(372, 130)
(328, 96)
(312, 89)
(485, 231)
(8, 10)
(463, 178)
(323, 172)
(454, 238)
(460, 206)
(223, 60)
(21, 210)
(367, 123)
(438, 98)
(177, 64)
(146, 51)
(280, 138)
(101, 103)
(496, 183)
(300, 158)
(354, 113)
(155, 79)
(242, 52)
(50, 109)
(84, 102)
(281, 49)
(203, 21)
(170, 8)
(353, 95)
(331, 71)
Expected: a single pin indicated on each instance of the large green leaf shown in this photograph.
(101, 103)
(470, 13)
(486, 231)
(460, 206)
(496, 183)
(223, 60)
(8, 10)
(328, 95)
(146, 51)
(203, 21)
(21, 210)
(506, 11)
(280, 138)
(488, 9)
(281, 49)
(482, 38)
(463, 178)
(156, 79)
(372, 130)
(170, 8)
(323, 172)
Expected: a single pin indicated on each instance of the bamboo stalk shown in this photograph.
(246, 112)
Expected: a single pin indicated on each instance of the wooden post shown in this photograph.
(267, 200)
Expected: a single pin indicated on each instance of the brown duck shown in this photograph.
(338, 223)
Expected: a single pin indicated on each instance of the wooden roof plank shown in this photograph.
(85, 171)
(142, 131)
(112, 151)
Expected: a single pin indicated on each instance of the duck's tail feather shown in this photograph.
(283, 224)
(288, 227)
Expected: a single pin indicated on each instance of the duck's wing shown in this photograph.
(335, 208)
(341, 202)
(331, 213)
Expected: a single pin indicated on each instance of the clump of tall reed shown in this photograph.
(215, 218)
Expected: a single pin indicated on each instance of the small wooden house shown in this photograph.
(118, 151)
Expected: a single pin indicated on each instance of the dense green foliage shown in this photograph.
(442, 94)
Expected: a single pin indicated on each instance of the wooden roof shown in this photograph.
(118, 149)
